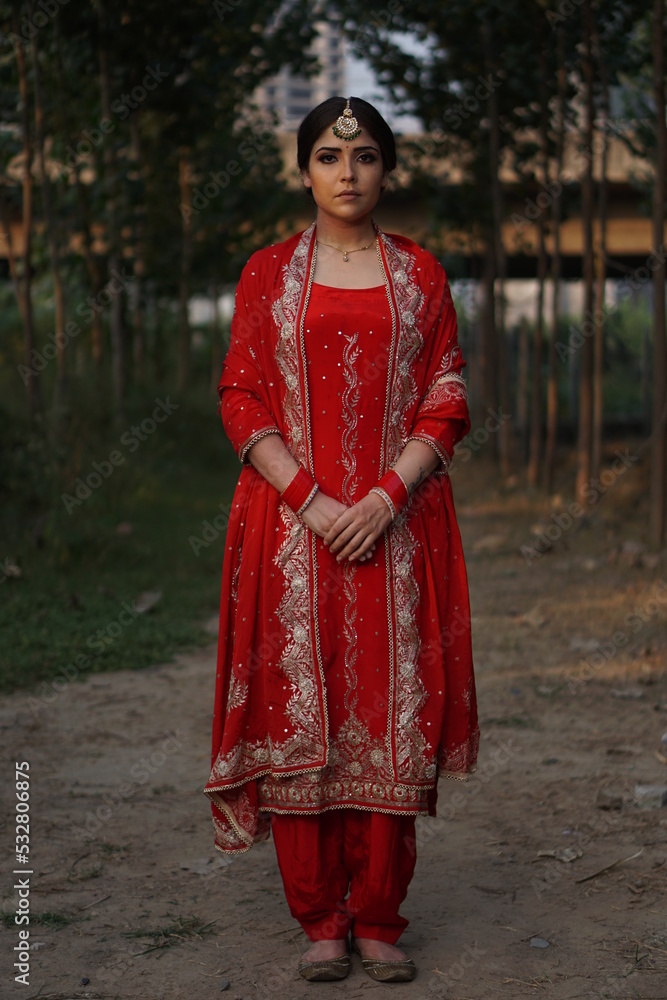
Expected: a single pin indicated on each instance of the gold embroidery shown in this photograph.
(359, 774)
(440, 452)
(284, 313)
(348, 449)
(302, 708)
(458, 760)
(256, 437)
(414, 755)
(308, 742)
(238, 693)
(403, 392)
(447, 389)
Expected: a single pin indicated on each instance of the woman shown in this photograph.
(345, 681)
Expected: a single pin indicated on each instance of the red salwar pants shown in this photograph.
(323, 856)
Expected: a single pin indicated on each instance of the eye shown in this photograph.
(327, 158)
(368, 157)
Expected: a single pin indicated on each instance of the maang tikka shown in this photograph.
(347, 126)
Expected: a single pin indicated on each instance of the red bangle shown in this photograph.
(300, 491)
(391, 487)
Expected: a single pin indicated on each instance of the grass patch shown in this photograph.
(514, 721)
(83, 565)
(55, 921)
(178, 932)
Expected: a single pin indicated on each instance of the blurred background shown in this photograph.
(146, 149)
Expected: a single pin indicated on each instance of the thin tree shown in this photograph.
(542, 266)
(32, 383)
(556, 262)
(600, 261)
(50, 218)
(118, 348)
(184, 335)
(585, 415)
(659, 435)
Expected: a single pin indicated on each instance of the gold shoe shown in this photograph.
(402, 971)
(327, 971)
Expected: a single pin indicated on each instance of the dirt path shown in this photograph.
(570, 652)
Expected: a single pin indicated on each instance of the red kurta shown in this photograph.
(351, 684)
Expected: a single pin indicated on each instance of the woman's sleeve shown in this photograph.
(243, 394)
(442, 416)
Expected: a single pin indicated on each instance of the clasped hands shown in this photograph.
(349, 532)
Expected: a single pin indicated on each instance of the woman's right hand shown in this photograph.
(322, 512)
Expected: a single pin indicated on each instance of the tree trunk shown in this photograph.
(659, 435)
(94, 269)
(601, 270)
(585, 415)
(486, 360)
(542, 264)
(522, 369)
(50, 220)
(31, 379)
(504, 434)
(556, 214)
(216, 339)
(92, 263)
(185, 186)
(112, 206)
(138, 315)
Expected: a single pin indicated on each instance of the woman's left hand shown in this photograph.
(353, 535)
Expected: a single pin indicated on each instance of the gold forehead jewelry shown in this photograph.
(347, 126)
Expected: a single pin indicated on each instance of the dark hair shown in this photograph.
(326, 114)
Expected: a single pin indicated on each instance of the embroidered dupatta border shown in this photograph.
(301, 662)
(413, 758)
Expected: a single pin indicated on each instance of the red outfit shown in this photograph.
(319, 855)
(341, 685)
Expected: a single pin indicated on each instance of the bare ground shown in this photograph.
(547, 841)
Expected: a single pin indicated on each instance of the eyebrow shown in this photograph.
(337, 149)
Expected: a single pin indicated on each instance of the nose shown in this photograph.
(348, 169)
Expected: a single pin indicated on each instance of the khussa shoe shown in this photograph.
(402, 971)
(327, 971)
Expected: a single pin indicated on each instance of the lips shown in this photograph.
(348, 194)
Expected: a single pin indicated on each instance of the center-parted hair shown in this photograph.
(326, 113)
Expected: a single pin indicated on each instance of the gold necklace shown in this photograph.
(346, 253)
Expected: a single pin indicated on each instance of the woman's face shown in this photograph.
(345, 176)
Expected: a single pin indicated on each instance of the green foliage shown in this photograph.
(83, 564)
